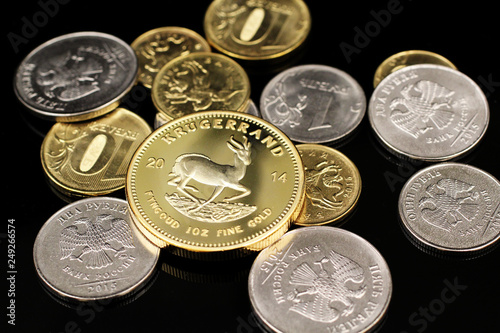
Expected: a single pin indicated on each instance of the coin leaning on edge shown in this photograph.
(320, 279)
(215, 181)
(91, 250)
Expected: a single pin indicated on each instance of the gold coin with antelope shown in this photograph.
(216, 181)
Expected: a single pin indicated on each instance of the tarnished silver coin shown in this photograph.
(320, 279)
(76, 76)
(428, 112)
(313, 103)
(451, 207)
(91, 249)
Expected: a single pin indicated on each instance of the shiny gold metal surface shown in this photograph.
(215, 181)
(200, 81)
(407, 58)
(257, 30)
(156, 47)
(333, 185)
(91, 158)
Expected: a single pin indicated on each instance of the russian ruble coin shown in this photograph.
(313, 103)
(91, 157)
(156, 47)
(408, 58)
(90, 250)
(333, 185)
(428, 112)
(257, 30)
(77, 76)
(201, 183)
(200, 81)
(320, 279)
(451, 208)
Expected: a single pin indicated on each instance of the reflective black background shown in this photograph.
(188, 296)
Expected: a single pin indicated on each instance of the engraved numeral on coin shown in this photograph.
(282, 178)
(319, 120)
(155, 163)
(101, 153)
(197, 231)
(260, 26)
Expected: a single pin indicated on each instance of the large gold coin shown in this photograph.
(156, 47)
(198, 82)
(257, 30)
(407, 58)
(215, 181)
(91, 158)
(333, 185)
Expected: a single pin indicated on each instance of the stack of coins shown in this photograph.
(219, 177)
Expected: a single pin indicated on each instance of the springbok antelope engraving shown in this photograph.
(205, 171)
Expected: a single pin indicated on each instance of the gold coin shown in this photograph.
(156, 47)
(407, 58)
(257, 30)
(200, 81)
(333, 185)
(91, 158)
(215, 181)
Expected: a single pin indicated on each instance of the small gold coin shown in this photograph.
(407, 58)
(215, 181)
(257, 30)
(200, 81)
(156, 47)
(333, 185)
(91, 158)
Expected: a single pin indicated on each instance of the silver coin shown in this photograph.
(91, 249)
(313, 103)
(76, 76)
(252, 109)
(428, 112)
(451, 207)
(320, 279)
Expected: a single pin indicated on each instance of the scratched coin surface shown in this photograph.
(91, 249)
(257, 30)
(320, 279)
(451, 207)
(156, 47)
(406, 58)
(333, 185)
(215, 181)
(76, 76)
(428, 112)
(91, 157)
(313, 103)
(200, 81)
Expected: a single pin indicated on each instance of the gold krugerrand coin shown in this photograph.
(200, 81)
(156, 47)
(333, 185)
(215, 181)
(91, 158)
(257, 30)
(407, 58)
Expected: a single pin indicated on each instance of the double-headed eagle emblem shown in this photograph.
(449, 202)
(95, 240)
(324, 289)
(425, 105)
